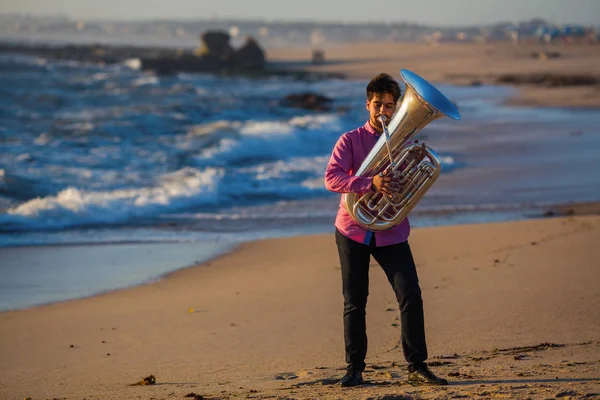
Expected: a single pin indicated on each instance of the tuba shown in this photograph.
(414, 165)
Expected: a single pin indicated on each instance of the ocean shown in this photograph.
(114, 160)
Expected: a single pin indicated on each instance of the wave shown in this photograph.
(112, 145)
(75, 207)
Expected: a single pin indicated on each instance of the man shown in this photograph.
(389, 247)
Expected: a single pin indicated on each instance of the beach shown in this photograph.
(512, 308)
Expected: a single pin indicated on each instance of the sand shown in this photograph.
(512, 309)
(465, 63)
(265, 322)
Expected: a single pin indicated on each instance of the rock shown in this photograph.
(149, 380)
(215, 44)
(249, 56)
(214, 55)
(308, 101)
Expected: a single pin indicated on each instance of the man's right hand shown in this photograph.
(384, 183)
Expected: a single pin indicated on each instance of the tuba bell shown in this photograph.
(414, 165)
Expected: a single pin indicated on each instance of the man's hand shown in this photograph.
(385, 183)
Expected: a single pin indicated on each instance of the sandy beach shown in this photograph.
(465, 64)
(512, 310)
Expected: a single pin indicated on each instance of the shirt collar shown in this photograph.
(371, 130)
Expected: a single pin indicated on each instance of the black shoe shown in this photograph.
(424, 376)
(352, 378)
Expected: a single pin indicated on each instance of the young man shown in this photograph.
(389, 247)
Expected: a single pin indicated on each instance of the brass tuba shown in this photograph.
(414, 165)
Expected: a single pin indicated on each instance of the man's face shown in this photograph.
(380, 104)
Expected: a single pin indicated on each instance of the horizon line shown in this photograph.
(292, 21)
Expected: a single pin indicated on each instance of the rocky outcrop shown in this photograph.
(214, 55)
(215, 44)
(250, 55)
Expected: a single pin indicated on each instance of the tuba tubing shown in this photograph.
(414, 165)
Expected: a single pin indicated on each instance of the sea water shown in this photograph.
(111, 155)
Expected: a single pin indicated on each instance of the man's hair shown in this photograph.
(383, 83)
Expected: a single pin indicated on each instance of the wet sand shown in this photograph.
(512, 309)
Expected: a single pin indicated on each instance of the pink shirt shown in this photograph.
(348, 154)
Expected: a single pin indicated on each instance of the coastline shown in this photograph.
(148, 261)
(264, 320)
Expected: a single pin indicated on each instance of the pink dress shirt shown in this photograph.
(348, 154)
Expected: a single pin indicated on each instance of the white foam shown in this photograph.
(133, 63)
(266, 128)
(73, 206)
(100, 76)
(43, 139)
(145, 80)
(316, 121)
(214, 127)
(226, 142)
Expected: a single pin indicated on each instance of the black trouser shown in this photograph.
(399, 267)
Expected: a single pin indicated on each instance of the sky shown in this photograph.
(430, 12)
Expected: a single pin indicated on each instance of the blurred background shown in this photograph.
(140, 137)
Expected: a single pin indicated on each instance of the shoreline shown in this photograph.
(534, 211)
(133, 256)
(203, 328)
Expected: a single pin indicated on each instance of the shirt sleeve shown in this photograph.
(339, 176)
